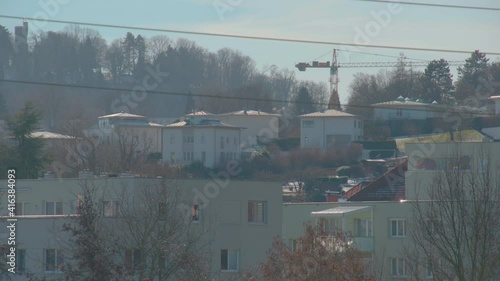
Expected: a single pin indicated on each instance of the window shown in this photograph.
(203, 156)
(162, 261)
(398, 227)
(330, 225)
(221, 142)
(172, 157)
(172, 139)
(398, 267)
(162, 211)
(229, 260)
(257, 212)
(428, 270)
(203, 138)
(111, 208)
(133, 259)
(195, 213)
(21, 261)
(227, 140)
(399, 112)
(54, 260)
(308, 124)
(364, 228)
(222, 157)
(294, 244)
(21, 208)
(234, 140)
(53, 208)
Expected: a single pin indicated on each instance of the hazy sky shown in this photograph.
(334, 20)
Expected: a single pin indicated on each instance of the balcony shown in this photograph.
(364, 244)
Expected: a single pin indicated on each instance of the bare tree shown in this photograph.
(456, 225)
(318, 256)
(133, 147)
(170, 241)
(157, 45)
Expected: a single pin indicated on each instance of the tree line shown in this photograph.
(81, 56)
(435, 83)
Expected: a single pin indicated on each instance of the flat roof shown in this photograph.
(339, 211)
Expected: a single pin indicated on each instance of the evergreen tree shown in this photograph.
(27, 155)
(437, 82)
(304, 103)
(469, 76)
(140, 66)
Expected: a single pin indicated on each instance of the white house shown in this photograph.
(405, 108)
(329, 128)
(207, 140)
(130, 127)
(496, 104)
(259, 125)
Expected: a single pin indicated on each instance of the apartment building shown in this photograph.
(328, 129)
(260, 126)
(381, 229)
(128, 129)
(208, 141)
(228, 213)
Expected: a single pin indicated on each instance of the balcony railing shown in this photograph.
(363, 244)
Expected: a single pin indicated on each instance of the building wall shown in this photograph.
(149, 137)
(378, 249)
(404, 113)
(421, 174)
(191, 143)
(318, 134)
(224, 215)
(255, 126)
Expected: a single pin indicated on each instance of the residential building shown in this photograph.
(496, 104)
(237, 219)
(405, 108)
(377, 229)
(380, 215)
(130, 129)
(260, 126)
(208, 141)
(330, 128)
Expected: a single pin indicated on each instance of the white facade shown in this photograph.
(130, 127)
(44, 205)
(257, 125)
(496, 104)
(212, 143)
(331, 128)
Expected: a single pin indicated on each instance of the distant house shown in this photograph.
(496, 104)
(259, 126)
(329, 128)
(405, 108)
(137, 128)
(207, 140)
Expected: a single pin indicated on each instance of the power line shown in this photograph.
(434, 5)
(251, 37)
(288, 101)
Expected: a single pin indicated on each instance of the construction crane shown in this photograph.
(334, 102)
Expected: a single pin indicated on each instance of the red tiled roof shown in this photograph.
(388, 187)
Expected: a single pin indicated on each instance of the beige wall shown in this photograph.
(295, 215)
(224, 217)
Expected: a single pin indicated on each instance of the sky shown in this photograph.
(347, 21)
